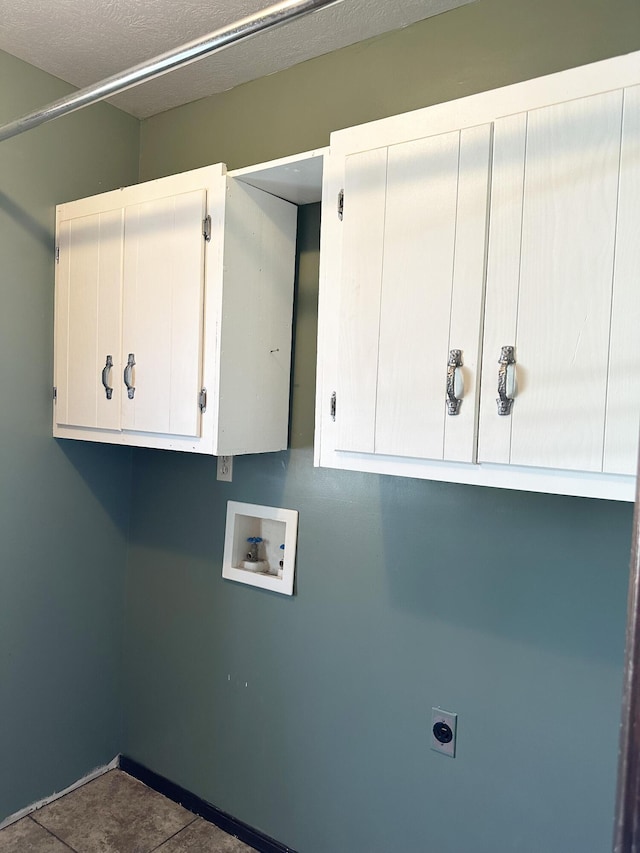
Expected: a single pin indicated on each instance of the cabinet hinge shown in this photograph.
(57, 254)
(333, 406)
(206, 228)
(55, 393)
(202, 400)
(340, 204)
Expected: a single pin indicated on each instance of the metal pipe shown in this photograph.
(266, 19)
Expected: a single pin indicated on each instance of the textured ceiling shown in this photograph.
(84, 41)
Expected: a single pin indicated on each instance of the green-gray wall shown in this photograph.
(486, 44)
(309, 717)
(63, 507)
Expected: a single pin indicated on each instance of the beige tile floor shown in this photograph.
(115, 814)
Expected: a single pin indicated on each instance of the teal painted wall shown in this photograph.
(309, 717)
(64, 506)
(306, 717)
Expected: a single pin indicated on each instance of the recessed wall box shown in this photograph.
(260, 546)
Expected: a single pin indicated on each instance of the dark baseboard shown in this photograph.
(253, 837)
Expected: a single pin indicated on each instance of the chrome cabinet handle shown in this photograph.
(506, 380)
(127, 375)
(455, 382)
(106, 370)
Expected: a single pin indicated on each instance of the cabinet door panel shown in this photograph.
(363, 240)
(568, 237)
(419, 243)
(163, 313)
(559, 165)
(414, 247)
(432, 293)
(88, 308)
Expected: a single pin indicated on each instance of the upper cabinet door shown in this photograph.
(88, 326)
(553, 243)
(163, 314)
(413, 255)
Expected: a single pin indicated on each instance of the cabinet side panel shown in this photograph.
(359, 315)
(503, 277)
(468, 287)
(570, 196)
(419, 240)
(257, 305)
(623, 396)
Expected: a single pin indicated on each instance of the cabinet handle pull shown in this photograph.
(506, 380)
(106, 370)
(127, 375)
(455, 382)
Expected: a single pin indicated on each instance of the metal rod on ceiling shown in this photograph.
(266, 19)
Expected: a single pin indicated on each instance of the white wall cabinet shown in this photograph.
(509, 220)
(173, 315)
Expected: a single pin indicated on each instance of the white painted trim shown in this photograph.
(94, 774)
(614, 487)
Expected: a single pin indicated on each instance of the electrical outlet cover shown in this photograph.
(444, 725)
(225, 468)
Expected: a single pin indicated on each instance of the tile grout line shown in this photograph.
(68, 846)
(164, 841)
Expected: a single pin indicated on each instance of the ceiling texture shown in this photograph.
(85, 41)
